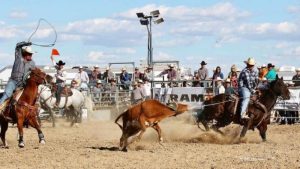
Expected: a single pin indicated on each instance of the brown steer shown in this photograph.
(146, 114)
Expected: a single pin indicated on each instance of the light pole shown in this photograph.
(147, 20)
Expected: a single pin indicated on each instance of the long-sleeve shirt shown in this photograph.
(61, 75)
(124, 77)
(203, 73)
(296, 80)
(248, 79)
(82, 76)
(171, 74)
(21, 66)
(108, 75)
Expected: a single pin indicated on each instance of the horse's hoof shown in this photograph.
(21, 145)
(161, 140)
(42, 142)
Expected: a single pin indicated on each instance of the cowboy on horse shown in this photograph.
(60, 79)
(22, 65)
(247, 82)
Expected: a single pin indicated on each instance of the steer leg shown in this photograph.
(158, 130)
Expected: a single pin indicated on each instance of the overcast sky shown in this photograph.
(98, 32)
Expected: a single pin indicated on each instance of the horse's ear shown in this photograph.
(281, 78)
(277, 77)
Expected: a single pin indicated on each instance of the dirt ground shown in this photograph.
(91, 145)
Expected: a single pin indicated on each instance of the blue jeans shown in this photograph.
(245, 96)
(9, 89)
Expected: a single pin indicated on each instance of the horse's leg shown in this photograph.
(33, 122)
(262, 130)
(4, 126)
(20, 123)
(205, 124)
(158, 130)
(247, 126)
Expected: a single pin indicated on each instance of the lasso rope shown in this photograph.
(33, 33)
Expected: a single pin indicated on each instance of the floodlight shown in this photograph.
(158, 21)
(144, 21)
(140, 15)
(155, 13)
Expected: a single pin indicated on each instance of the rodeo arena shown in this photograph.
(150, 114)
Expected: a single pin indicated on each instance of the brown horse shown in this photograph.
(143, 115)
(222, 108)
(24, 110)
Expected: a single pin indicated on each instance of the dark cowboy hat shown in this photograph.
(60, 62)
(270, 65)
(203, 63)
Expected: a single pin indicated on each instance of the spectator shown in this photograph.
(196, 81)
(262, 72)
(148, 74)
(125, 79)
(296, 78)
(97, 90)
(233, 70)
(74, 84)
(83, 77)
(219, 86)
(171, 73)
(271, 75)
(234, 81)
(137, 74)
(218, 73)
(137, 94)
(142, 87)
(203, 72)
(147, 87)
(228, 88)
(96, 74)
(108, 75)
(263, 84)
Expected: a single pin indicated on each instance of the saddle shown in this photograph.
(66, 92)
(10, 102)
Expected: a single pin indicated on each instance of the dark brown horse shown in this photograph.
(24, 110)
(222, 108)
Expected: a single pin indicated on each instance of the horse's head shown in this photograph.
(280, 88)
(38, 76)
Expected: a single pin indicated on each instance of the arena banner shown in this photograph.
(191, 95)
(292, 104)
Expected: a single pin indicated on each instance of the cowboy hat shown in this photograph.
(99, 82)
(60, 62)
(107, 68)
(203, 63)
(233, 67)
(264, 79)
(298, 70)
(219, 79)
(96, 66)
(136, 68)
(80, 67)
(227, 80)
(264, 65)
(134, 84)
(28, 49)
(140, 81)
(270, 65)
(123, 69)
(250, 61)
(74, 82)
(171, 65)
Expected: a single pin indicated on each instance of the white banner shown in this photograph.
(292, 104)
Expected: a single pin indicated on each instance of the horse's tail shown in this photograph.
(117, 119)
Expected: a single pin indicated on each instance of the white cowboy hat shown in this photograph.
(107, 68)
(80, 67)
(219, 79)
(264, 65)
(250, 61)
(96, 66)
(28, 49)
(298, 70)
(123, 68)
(171, 65)
(99, 81)
(227, 80)
(264, 79)
(140, 81)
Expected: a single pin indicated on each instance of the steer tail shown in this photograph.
(117, 119)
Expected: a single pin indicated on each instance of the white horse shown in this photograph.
(73, 104)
